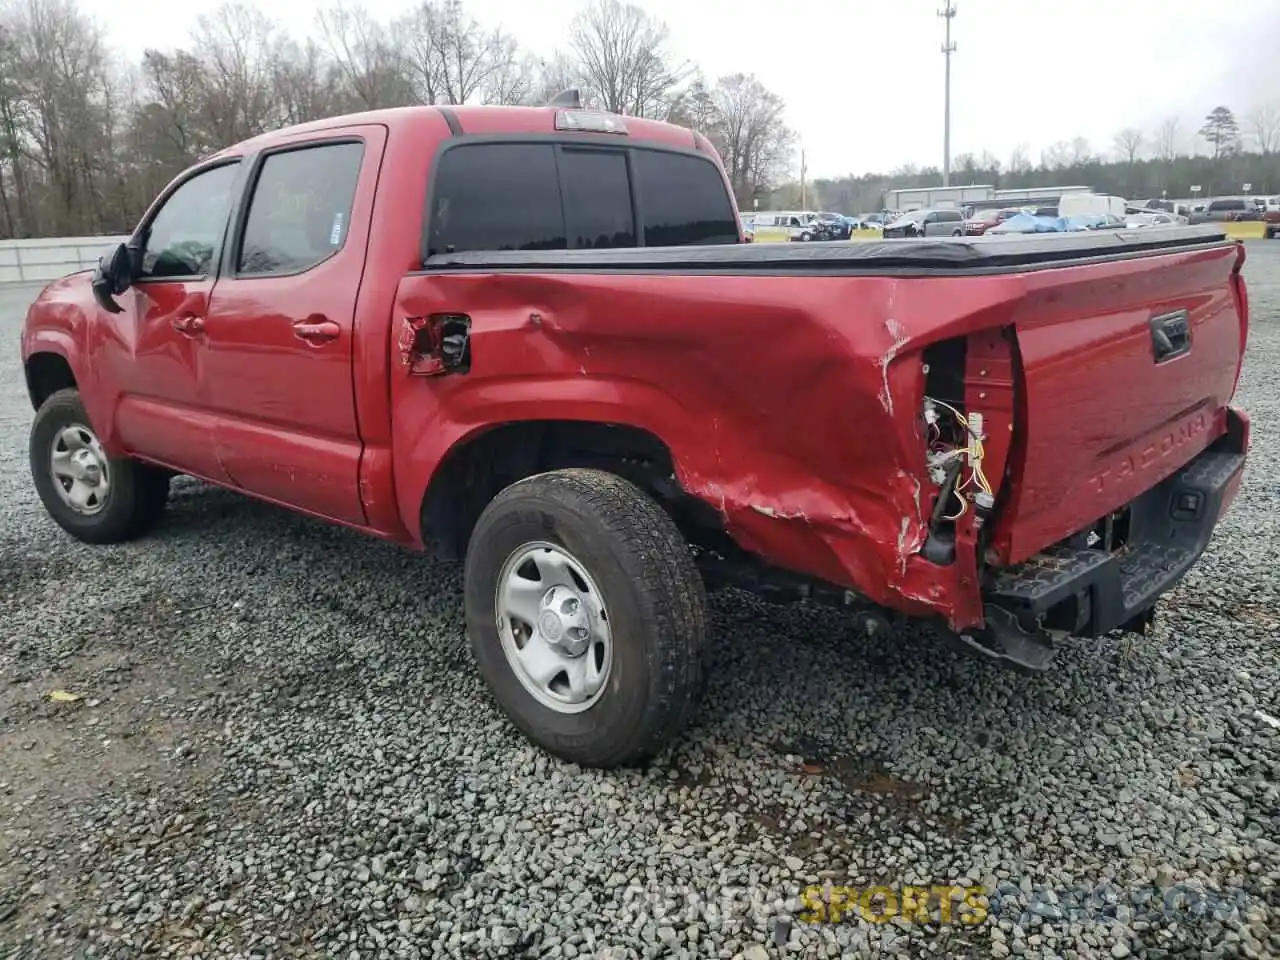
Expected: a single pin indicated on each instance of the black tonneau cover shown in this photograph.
(998, 253)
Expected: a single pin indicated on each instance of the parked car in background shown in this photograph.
(1090, 204)
(983, 220)
(776, 225)
(927, 223)
(831, 226)
(1227, 209)
(1027, 223)
(1271, 216)
(858, 223)
(1152, 218)
(1101, 221)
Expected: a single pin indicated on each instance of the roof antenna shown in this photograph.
(569, 99)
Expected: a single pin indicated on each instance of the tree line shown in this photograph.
(1220, 157)
(88, 139)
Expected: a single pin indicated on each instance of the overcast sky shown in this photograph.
(863, 79)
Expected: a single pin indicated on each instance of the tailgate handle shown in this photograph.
(1170, 335)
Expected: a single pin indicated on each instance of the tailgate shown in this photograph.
(1127, 367)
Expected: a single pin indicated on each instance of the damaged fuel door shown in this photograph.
(435, 345)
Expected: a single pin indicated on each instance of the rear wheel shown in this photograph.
(957, 233)
(94, 497)
(586, 616)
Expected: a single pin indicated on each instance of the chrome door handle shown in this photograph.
(316, 331)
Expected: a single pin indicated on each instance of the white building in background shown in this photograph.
(980, 195)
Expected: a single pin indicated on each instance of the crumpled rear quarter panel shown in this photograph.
(790, 404)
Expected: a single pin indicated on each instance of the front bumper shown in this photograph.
(1089, 591)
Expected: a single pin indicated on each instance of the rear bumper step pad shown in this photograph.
(1169, 528)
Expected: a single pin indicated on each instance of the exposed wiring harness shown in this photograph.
(974, 452)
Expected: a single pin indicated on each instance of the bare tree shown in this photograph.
(624, 58)
(238, 45)
(515, 80)
(1128, 144)
(15, 193)
(1081, 152)
(62, 75)
(458, 60)
(1264, 128)
(554, 75)
(368, 58)
(1019, 159)
(754, 143)
(1167, 139)
(1056, 156)
(695, 107)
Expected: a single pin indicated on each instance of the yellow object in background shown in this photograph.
(1246, 230)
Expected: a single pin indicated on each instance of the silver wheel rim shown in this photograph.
(554, 627)
(79, 469)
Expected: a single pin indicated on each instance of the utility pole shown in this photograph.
(948, 48)
(803, 197)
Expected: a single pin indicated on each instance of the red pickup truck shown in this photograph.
(533, 339)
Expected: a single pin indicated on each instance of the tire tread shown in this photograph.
(655, 557)
(139, 492)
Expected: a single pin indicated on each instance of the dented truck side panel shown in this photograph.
(790, 405)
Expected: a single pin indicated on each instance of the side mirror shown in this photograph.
(112, 277)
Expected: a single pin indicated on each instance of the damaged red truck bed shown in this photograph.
(1019, 438)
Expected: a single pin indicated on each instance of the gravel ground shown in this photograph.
(282, 749)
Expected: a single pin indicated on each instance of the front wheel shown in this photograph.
(586, 616)
(94, 497)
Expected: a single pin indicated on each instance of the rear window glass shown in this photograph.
(496, 196)
(597, 199)
(543, 196)
(683, 200)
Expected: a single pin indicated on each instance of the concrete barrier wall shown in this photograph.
(24, 261)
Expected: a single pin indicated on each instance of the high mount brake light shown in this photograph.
(586, 121)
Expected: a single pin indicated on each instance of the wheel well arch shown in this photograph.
(46, 374)
(477, 467)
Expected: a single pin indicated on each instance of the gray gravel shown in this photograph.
(282, 749)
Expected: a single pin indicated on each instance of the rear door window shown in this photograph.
(301, 209)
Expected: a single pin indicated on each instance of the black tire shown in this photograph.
(957, 233)
(656, 613)
(135, 498)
